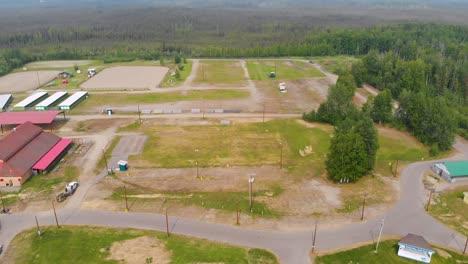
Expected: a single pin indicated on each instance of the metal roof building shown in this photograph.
(30, 101)
(50, 101)
(5, 100)
(452, 170)
(28, 148)
(416, 248)
(73, 100)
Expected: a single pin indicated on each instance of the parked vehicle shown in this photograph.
(70, 189)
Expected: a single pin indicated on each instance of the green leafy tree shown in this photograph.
(366, 129)
(382, 107)
(347, 157)
(359, 73)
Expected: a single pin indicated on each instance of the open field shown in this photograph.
(86, 244)
(96, 102)
(335, 64)
(449, 208)
(171, 81)
(25, 81)
(220, 73)
(387, 254)
(285, 69)
(127, 77)
(57, 64)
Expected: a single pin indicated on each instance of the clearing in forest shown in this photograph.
(25, 81)
(285, 70)
(220, 72)
(127, 77)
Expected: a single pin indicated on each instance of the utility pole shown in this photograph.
(238, 215)
(198, 174)
(251, 181)
(363, 206)
(139, 114)
(466, 244)
(167, 224)
(396, 169)
(38, 81)
(105, 160)
(39, 232)
(429, 200)
(263, 115)
(126, 201)
(55, 213)
(3, 202)
(281, 155)
(315, 236)
(380, 234)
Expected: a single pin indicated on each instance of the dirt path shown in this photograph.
(193, 74)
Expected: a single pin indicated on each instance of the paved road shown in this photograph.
(407, 215)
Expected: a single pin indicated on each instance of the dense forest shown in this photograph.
(421, 65)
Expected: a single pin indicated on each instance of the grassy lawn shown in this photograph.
(171, 81)
(224, 201)
(396, 145)
(101, 164)
(387, 254)
(450, 209)
(46, 182)
(244, 144)
(92, 245)
(335, 64)
(220, 72)
(260, 69)
(114, 99)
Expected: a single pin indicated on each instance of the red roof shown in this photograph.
(35, 117)
(23, 147)
(53, 153)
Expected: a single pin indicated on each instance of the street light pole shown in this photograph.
(251, 181)
(167, 224)
(39, 232)
(55, 214)
(315, 236)
(380, 234)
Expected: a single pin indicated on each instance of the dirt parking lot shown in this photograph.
(25, 81)
(127, 77)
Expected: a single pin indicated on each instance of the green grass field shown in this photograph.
(244, 144)
(225, 201)
(220, 72)
(115, 99)
(171, 81)
(86, 244)
(335, 64)
(259, 70)
(450, 209)
(387, 254)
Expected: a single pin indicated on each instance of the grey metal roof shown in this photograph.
(4, 98)
(416, 241)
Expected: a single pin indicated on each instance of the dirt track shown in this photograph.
(25, 81)
(127, 77)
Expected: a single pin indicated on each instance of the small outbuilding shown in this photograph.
(272, 75)
(416, 248)
(451, 170)
(65, 74)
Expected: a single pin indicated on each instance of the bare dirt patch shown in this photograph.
(140, 250)
(302, 95)
(25, 81)
(127, 77)
(96, 125)
(57, 64)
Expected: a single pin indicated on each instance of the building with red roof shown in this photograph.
(28, 150)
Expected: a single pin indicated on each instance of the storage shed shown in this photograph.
(51, 101)
(416, 248)
(73, 100)
(65, 74)
(30, 101)
(451, 170)
(5, 100)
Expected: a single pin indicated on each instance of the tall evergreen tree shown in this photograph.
(382, 107)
